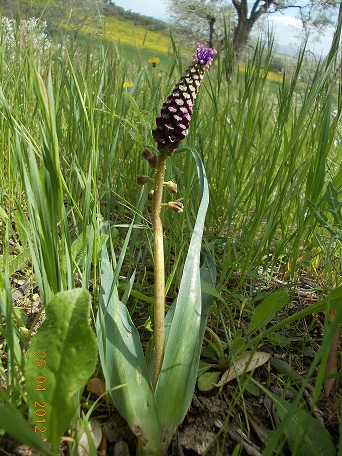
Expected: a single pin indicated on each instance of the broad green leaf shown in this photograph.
(207, 381)
(203, 367)
(265, 311)
(16, 426)
(207, 273)
(178, 376)
(17, 262)
(61, 358)
(213, 351)
(304, 434)
(123, 362)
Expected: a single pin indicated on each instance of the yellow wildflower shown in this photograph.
(127, 84)
(153, 61)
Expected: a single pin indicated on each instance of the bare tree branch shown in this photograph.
(203, 14)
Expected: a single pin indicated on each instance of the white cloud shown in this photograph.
(288, 31)
(285, 21)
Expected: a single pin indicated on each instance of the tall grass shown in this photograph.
(71, 137)
(268, 157)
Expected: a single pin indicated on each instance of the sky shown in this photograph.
(287, 28)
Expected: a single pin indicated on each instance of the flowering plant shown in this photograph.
(16, 35)
(127, 84)
(154, 398)
(154, 61)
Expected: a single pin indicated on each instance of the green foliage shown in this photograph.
(123, 362)
(273, 141)
(305, 434)
(266, 311)
(334, 207)
(154, 416)
(277, 64)
(12, 421)
(186, 325)
(62, 356)
(149, 23)
(71, 136)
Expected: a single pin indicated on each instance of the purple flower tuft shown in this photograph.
(174, 120)
(204, 56)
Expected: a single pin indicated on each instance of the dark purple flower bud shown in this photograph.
(151, 158)
(142, 179)
(176, 112)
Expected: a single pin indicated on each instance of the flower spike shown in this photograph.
(204, 56)
(176, 112)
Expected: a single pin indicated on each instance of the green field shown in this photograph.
(72, 132)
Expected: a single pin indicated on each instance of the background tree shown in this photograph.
(315, 14)
(195, 19)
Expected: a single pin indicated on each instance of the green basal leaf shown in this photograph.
(185, 326)
(122, 357)
(203, 367)
(207, 381)
(62, 356)
(207, 273)
(265, 311)
(304, 434)
(123, 362)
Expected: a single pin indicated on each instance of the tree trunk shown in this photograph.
(240, 37)
(211, 31)
(245, 23)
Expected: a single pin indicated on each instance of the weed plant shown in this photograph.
(71, 136)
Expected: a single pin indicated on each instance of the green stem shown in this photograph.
(159, 271)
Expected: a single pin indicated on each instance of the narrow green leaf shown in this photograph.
(182, 350)
(15, 425)
(332, 205)
(305, 434)
(3, 213)
(332, 301)
(123, 362)
(62, 356)
(265, 311)
(335, 204)
(208, 275)
(130, 94)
